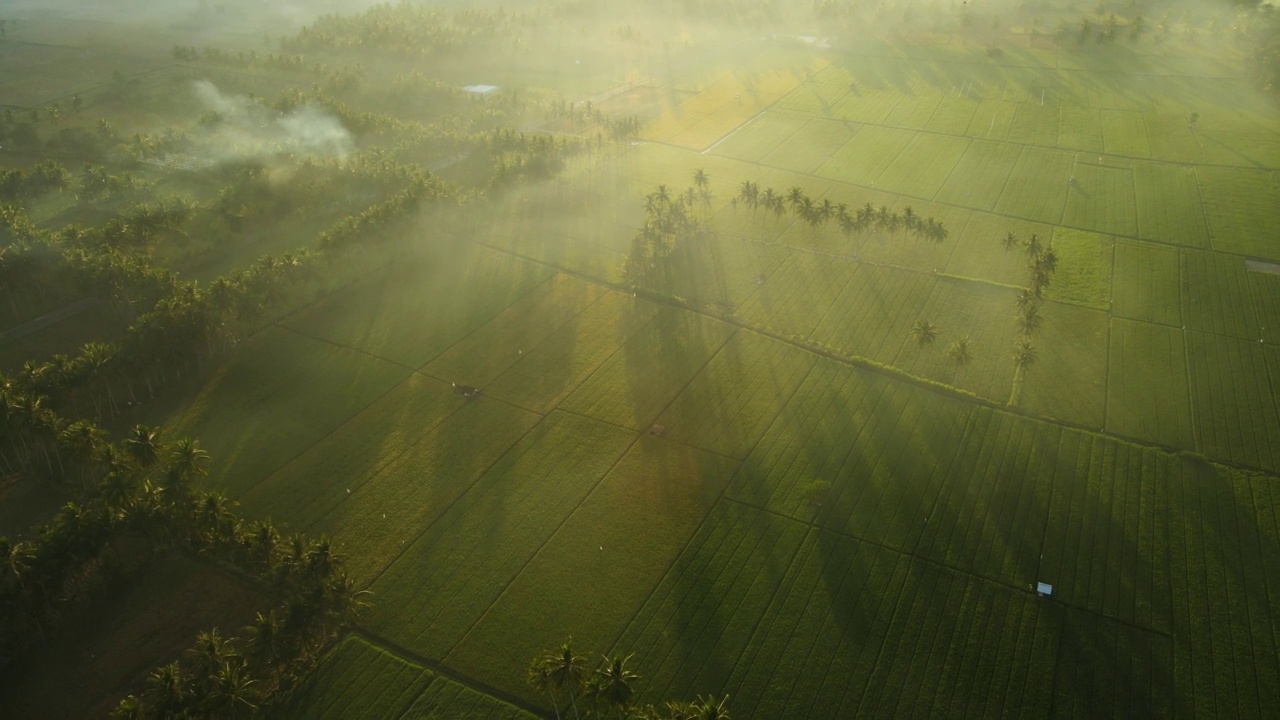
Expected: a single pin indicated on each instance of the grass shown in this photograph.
(358, 680)
(1240, 207)
(443, 582)
(872, 316)
(1235, 404)
(1085, 262)
(1148, 368)
(660, 491)
(1216, 296)
(1147, 284)
(793, 299)
(1037, 188)
(923, 166)
(866, 156)
(1124, 133)
(644, 375)
(978, 178)
(1102, 200)
(283, 386)
(1069, 379)
(1169, 208)
(759, 136)
(811, 145)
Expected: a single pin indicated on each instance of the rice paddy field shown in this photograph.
(638, 471)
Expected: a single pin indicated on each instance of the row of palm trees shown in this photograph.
(670, 219)
(1042, 262)
(817, 213)
(565, 677)
(24, 183)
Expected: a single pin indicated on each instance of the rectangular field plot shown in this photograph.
(1102, 199)
(1235, 403)
(794, 299)
(1132, 677)
(866, 155)
(1241, 207)
(443, 582)
(415, 311)
(1148, 396)
(690, 633)
(1037, 188)
(856, 631)
(978, 312)
(1069, 378)
(1035, 124)
(1216, 296)
(1080, 129)
(634, 385)
(1028, 501)
(1083, 275)
(953, 116)
(1224, 542)
(1125, 133)
(625, 535)
(358, 680)
(913, 112)
(978, 179)
(872, 316)
(1169, 208)
(992, 119)
(375, 519)
(320, 476)
(924, 165)
(730, 404)
(480, 357)
(871, 106)
(759, 136)
(1266, 301)
(278, 395)
(812, 145)
(980, 252)
(546, 374)
(1147, 284)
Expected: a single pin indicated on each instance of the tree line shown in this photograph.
(607, 688)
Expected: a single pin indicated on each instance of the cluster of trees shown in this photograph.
(925, 332)
(584, 114)
(401, 28)
(670, 219)
(817, 214)
(607, 689)
(1262, 39)
(1042, 262)
(97, 183)
(242, 59)
(20, 184)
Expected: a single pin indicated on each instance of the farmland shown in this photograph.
(1012, 317)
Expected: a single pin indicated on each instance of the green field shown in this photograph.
(750, 470)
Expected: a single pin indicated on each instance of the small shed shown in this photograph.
(483, 91)
(1044, 589)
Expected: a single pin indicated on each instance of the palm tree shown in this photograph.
(186, 461)
(1029, 320)
(909, 219)
(1049, 259)
(1033, 245)
(700, 179)
(612, 683)
(568, 673)
(166, 692)
(959, 351)
(143, 444)
(539, 678)
(708, 708)
(262, 637)
(794, 197)
(232, 689)
(1010, 240)
(1025, 354)
(924, 332)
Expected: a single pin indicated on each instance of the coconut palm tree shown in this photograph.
(1011, 240)
(143, 445)
(1029, 320)
(924, 331)
(700, 179)
(262, 637)
(612, 684)
(186, 461)
(959, 352)
(568, 672)
(166, 693)
(1024, 354)
(1033, 245)
(232, 691)
(539, 678)
(794, 197)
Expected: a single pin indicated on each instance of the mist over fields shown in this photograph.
(652, 359)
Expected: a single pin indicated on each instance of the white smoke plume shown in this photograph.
(246, 128)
